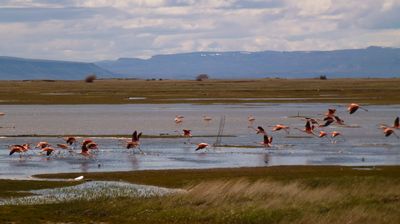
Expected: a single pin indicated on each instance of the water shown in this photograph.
(360, 146)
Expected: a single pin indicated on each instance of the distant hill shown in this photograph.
(19, 69)
(369, 62)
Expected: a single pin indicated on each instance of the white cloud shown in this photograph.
(92, 30)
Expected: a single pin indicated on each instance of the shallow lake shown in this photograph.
(365, 145)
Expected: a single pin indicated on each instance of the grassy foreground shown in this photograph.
(287, 194)
(374, 91)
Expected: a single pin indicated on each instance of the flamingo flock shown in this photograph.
(312, 124)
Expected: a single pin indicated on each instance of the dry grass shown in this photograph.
(376, 91)
(298, 194)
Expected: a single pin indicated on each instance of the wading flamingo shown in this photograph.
(19, 149)
(70, 140)
(87, 145)
(201, 146)
(48, 150)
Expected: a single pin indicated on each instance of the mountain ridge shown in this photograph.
(367, 62)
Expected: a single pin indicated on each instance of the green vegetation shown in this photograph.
(18, 188)
(374, 91)
(287, 194)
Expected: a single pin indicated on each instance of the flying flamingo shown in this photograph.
(187, 133)
(134, 143)
(338, 120)
(389, 131)
(353, 107)
(251, 119)
(312, 120)
(328, 121)
(259, 130)
(267, 141)
(322, 134)
(335, 133)
(308, 128)
(331, 112)
(279, 127)
(178, 120)
(207, 119)
(396, 124)
(201, 146)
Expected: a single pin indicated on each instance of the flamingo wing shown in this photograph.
(308, 125)
(397, 123)
(134, 136)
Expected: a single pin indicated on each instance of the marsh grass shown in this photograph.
(287, 194)
(374, 91)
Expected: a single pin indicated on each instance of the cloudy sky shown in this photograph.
(90, 30)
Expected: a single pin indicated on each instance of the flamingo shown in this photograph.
(86, 145)
(19, 149)
(312, 120)
(178, 120)
(85, 151)
(338, 120)
(187, 133)
(206, 118)
(48, 150)
(260, 130)
(308, 128)
(179, 116)
(335, 133)
(389, 131)
(322, 134)
(267, 141)
(396, 124)
(353, 107)
(279, 127)
(328, 121)
(42, 145)
(331, 112)
(63, 146)
(135, 140)
(134, 143)
(201, 146)
(251, 119)
(70, 140)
